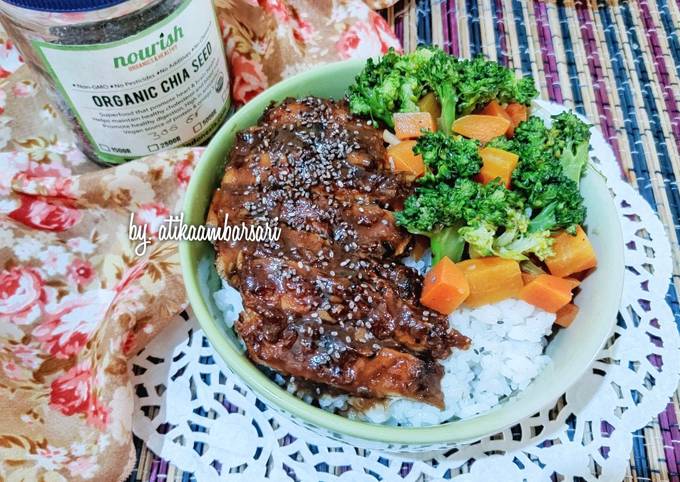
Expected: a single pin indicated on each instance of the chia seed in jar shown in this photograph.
(131, 77)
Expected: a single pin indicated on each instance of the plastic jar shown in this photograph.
(132, 77)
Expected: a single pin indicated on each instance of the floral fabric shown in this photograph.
(75, 300)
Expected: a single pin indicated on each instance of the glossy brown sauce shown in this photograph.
(330, 302)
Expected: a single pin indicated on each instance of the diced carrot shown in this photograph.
(494, 108)
(429, 103)
(444, 287)
(547, 292)
(566, 315)
(408, 125)
(528, 277)
(573, 282)
(517, 113)
(480, 127)
(401, 158)
(491, 279)
(571, 254)
(497, 163)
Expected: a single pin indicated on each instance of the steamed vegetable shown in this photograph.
(444, 287)
(491, 279)
(497, 164)
(410, 125)
(572, 254)
(566, 315)
(543, 199)
(518, 113)
(570, 141)
(441, 76)
(481, 127)
(389, 85)
(573, 282)
(447, 158)
(547, 292)
(481, 81)
(540, 177)
(489, 217)
(493, 183)
(493, 108)
(436, 212)
(401, 158)
(396, 83)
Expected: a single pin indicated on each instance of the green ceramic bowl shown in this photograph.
(572, 350)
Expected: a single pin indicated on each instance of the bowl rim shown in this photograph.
(458, 431)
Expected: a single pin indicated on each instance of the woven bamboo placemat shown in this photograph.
(618, 63)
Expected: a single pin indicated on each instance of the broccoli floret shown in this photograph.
(388, 85)
(409, 95)
(447, 158)
(569, 141)
(436, 212)
(566, 133)
(539, 244)
(547, 189)
(481, 81)
(472, 203)
(514, 242)
(441, 77)
(480, 238)
(517, 240)
(529, 141)
(493, 204)
(473, 213)
(432, 208)
(550, 165)
(525, 91)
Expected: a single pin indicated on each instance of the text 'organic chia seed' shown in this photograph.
(132, 77)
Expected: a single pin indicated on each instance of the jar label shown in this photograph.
(164, 87)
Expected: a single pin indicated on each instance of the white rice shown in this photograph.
(230, 303)
(506, 354)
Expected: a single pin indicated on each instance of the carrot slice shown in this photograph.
(429, 103)
(480, 127)
(401, 158)
(444, 287)
(408, 125)
(491, 279)
(529, 277)
(571, 254)
(517, 113)
(547, 292)
(494, 108)
(566, 315)
(497, 163)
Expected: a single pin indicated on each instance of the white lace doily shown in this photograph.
(192, 411)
